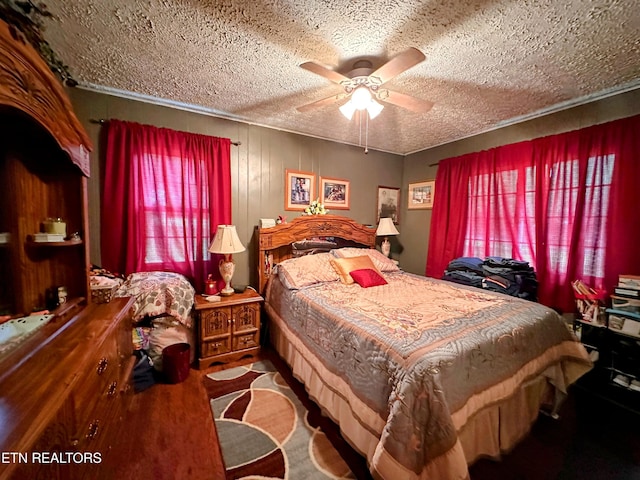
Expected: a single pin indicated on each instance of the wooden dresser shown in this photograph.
(228, 329)
(63, 406)
(64, 389)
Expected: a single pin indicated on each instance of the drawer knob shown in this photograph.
(112, 389)
(93, 429)
(102, 365)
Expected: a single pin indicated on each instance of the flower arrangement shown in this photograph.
(316, 208)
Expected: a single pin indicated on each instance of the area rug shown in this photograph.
(264, 429)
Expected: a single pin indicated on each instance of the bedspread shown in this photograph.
(159, 293)
(425, 355)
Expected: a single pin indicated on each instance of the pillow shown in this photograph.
(343, 266)
(365, 277)
(312, 247)
(308, 270)
(382, 263)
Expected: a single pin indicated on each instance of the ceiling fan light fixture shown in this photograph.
(348, 110)
(361, 97)
(374, 109)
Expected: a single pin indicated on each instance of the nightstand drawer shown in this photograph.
(248, 340)
(216, 347)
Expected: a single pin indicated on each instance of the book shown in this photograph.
(629, 281)
(627, 292)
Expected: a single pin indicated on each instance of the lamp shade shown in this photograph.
(374, 109)
(386, 227)
(348, 110)
(226, 241)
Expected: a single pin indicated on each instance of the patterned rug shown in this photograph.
(265, 431)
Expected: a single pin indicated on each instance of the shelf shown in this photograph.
(621, 372)
(591, 324)
(625, 334)
(623, 387)
(66, 243)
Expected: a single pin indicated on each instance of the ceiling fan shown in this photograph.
(364, 86)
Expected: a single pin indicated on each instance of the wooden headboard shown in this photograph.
(274, 243)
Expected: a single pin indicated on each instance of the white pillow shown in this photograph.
(382, 263)
(307, 270)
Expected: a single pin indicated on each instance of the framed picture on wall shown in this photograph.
(300, 189)
(421, 194)
(334, 193)
(388, 204)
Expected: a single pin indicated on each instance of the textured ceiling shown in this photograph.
(488, 63)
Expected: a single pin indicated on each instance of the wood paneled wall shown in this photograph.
(258, 166)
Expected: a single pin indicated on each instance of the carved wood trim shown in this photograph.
(274, 244)
(27, 83)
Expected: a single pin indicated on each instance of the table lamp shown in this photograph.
(386, 228)
(226, 242)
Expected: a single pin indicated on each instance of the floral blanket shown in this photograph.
(159, 293)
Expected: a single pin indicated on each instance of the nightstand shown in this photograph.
(229, 329)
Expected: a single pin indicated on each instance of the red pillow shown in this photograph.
(366, 277)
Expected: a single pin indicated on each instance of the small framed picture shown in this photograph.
(300, 189)
(388, 204)
(421, 194)
(334, 193)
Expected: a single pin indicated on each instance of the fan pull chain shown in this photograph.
(366, 134)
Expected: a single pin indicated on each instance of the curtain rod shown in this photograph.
(102, 121)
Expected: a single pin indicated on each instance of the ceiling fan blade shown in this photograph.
(322, 103)
(413, 104)
(398, 64)
(324, 72)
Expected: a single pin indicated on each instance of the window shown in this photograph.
(173, 231)
(165, 192)
(564, 206)
(565, 202)
(502, 217)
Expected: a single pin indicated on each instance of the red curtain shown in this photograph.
(566, 203)
(165, 192)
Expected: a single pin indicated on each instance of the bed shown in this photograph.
(423, 376)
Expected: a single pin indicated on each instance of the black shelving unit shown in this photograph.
(616, 357)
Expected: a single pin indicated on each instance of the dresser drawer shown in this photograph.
(97, 389)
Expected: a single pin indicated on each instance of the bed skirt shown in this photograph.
(489, 432)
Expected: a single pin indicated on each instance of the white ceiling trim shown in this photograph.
(548, 111)
(162, 102)
(218, 114)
